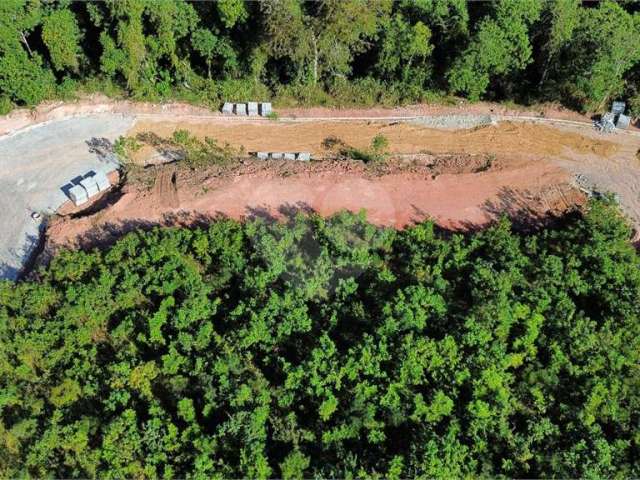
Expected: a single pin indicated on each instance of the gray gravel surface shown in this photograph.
(34, 166)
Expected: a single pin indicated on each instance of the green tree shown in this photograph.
(61, 34)
(603, 49)
(500, 47)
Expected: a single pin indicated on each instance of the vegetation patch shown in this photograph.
(328, 348)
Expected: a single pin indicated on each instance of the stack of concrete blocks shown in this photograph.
(249, 108)
(227, 108)
(265, 109)
(88, 187)
(252, 108)
(300, 156)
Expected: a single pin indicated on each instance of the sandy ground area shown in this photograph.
(506, 138)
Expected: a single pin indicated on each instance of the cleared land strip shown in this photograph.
(36, 160)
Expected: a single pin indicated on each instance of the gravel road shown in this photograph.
(34, 166)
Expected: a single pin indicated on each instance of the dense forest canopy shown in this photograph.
(330, 348)
(322, 52)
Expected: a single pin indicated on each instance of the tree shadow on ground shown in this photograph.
(286, 212)
(519, 207)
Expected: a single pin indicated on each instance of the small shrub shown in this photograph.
(124, 147)
(273, 116)
(181, 136)
(379, 143)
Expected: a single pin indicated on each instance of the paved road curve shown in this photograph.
(34, 165)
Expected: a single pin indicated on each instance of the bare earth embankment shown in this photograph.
(461, 179)
(524, 166)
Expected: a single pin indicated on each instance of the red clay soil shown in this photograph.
(456, 201)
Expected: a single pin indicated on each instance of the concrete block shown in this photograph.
(90, 185)
(289, 156)
(303, 156)
(227, 108)
(78, 195)
(623, 122)
(241, 108)
(276, 155)
(265, 108)
(262, 155)
(618, 107)
(102, 181)
(252, 108)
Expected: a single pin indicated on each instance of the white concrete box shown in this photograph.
(303, 156)
(241, 108)
(289, 156)
(102, 181)
(227, 108)
(78, 195)
(252, 108)
(262, 155)
(265, 108)
(276, 155)
(623, 122)
(90, 185)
